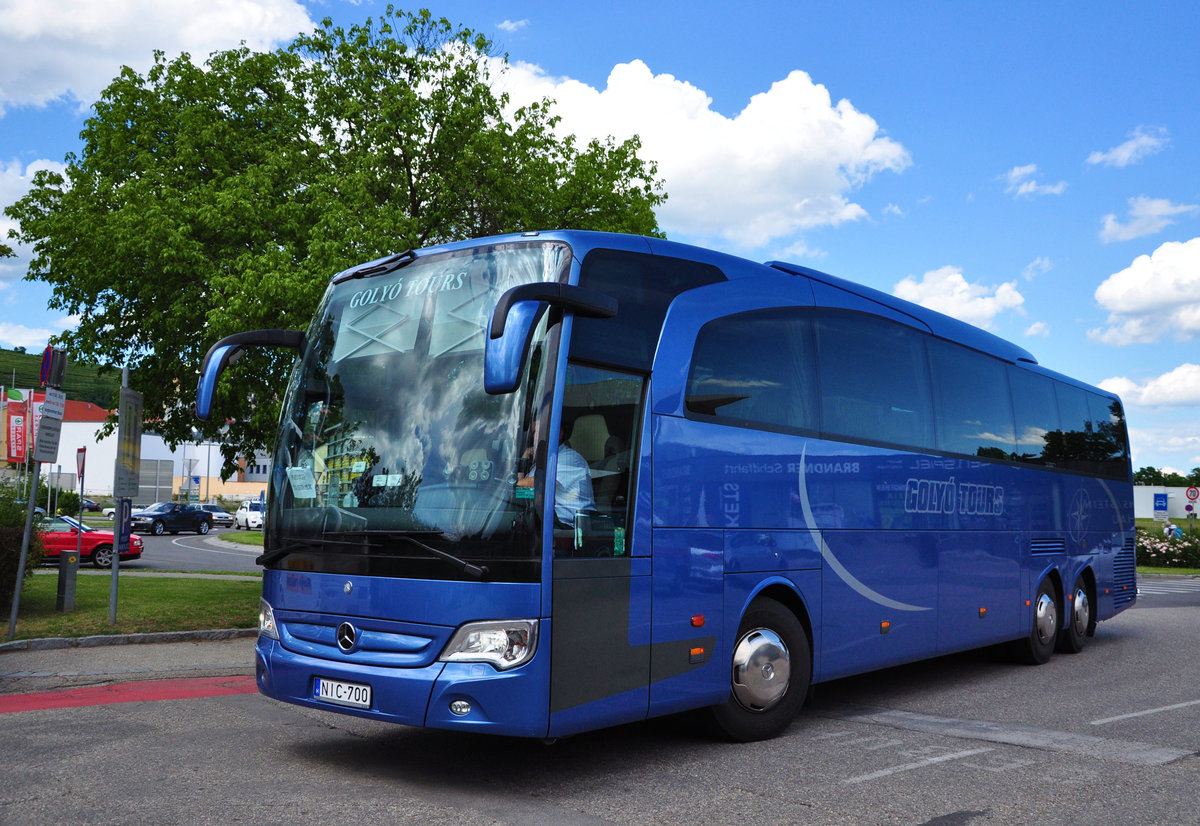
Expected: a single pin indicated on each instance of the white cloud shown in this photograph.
(1038, 328)
(947, 291)
(15, 180)
(74, 48)
(1038, 266)
(1156, 295)
(31, 338)
(1146, 217)
(1180, 387)
(786, 163)
(1151, 445)
(511, 26)
(1021, 182)
(1142, 142)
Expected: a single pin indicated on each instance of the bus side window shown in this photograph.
(974, 406)
(874, 380)
(755, 368)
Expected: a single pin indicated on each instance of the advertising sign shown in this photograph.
(129, 445)
(18, 431)
(18, 425)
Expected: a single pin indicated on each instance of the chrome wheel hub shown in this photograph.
(1045, 620)
(1081, 612)
(761, 670)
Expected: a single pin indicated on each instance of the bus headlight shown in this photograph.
(266, 620)
(504, 644)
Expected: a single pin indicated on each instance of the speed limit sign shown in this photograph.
(1193, 493)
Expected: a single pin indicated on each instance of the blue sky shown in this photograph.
(1032, 168)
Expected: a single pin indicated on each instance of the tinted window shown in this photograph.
(1036, 411)
(755, 368)
(644, 286)
(1109, 444)
(874, 380)
(1068, 447)
(974, 409)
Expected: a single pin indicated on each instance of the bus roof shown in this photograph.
(939, 324)
(734, 267)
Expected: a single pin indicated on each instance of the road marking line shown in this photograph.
(140, 692)
(1133, 714)
(958, 755)
(1063, 742)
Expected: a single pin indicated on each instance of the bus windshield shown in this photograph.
(391, 459)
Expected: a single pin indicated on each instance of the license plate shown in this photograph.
(355, 695)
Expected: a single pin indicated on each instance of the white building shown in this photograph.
(195, 468)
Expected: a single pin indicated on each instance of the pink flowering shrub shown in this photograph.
(1156, 550)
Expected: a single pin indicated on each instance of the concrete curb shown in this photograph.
(52, 643)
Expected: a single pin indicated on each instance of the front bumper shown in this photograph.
(512, 703)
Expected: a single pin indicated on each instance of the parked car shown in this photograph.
(90, 505)
(172, 517)
(111, 513)
(220, 517)
(62, 533)
(249, 515)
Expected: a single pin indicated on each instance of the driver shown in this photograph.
(573, 485)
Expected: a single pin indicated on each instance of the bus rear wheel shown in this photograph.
(1039, 645)
(770, 674)
(1072, 638)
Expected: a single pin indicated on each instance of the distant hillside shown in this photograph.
(82, 382)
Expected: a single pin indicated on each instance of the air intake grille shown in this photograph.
(1125, 575)
(1048, 546)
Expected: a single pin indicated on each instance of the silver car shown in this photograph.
(221, 518)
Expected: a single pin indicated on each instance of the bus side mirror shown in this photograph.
(229, 350)
(511, 326)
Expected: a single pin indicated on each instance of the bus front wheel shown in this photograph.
(1039, 645)
(769, 674)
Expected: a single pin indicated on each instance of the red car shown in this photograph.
(61, 533)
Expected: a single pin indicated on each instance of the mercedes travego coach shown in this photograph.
(542, 483)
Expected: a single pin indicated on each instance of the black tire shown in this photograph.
(771, 647)
(1072, 638)
(1036, 648)
(102, 556)
(202, 528)
(157, 528)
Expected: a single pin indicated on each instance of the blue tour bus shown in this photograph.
(543, 483)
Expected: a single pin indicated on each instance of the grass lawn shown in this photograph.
(252, 538)
(144, 605)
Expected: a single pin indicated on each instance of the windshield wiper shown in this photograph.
(394, 262)
(477, 571)
(279, 553)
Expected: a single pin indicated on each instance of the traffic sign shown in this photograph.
(1193, 493)
(80, 458)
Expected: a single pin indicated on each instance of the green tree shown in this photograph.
(1148, 476)
(210, 200)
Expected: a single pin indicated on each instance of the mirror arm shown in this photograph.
(579, 300)
(229, 349)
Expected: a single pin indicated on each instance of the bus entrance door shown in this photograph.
(599, 643)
